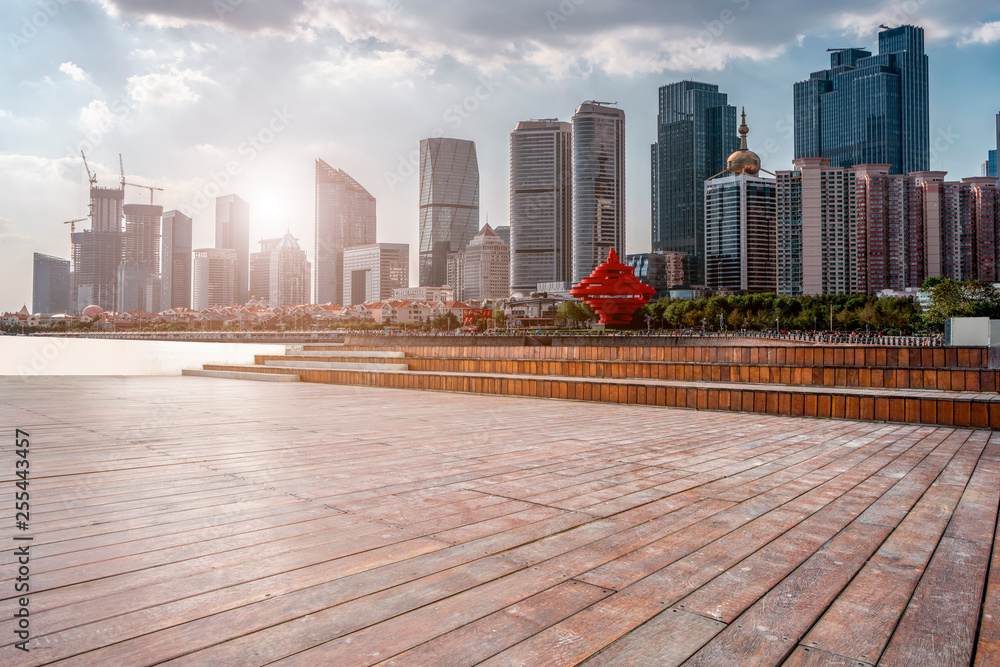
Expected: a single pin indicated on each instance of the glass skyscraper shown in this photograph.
(232, 231)
(868, 109)
(449, 204)
(345, 217)
(50, 288)
(598, 186)
(541, 204)
(695, 133)
(175, 261)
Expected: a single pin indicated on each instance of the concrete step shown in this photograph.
(335, 365)
(300, 347)
(242, 375)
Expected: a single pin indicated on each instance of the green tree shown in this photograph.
(445, 321)
(575, 312)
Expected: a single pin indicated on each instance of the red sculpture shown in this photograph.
(613, 292)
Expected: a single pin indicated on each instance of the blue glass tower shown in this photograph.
(695, 133)
(868, 109)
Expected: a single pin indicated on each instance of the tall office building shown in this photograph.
(482, 270)
(990, 167)
(345, 217)
(260, 270)
(449, 204)
(215, 277)
(868, 109)
(97, 252)
(288, 274)
(598, 186)
(50, 285)
(373, 272)
(695, 133)
(232, 231)
(175, 260)
(139, 270)
(541, 204)
(740, 225)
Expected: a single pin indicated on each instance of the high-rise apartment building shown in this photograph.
(260, 270)
(449, 204)
(598, 186)
(695, 133)
(215, 276)
(863, 229)
(175, 260)
(50, 285)
(289, 274)
(868, 109)
(232, 231)
(345, 217)
(97, 252)
(139, 271)
(740, 225)
(482, 270)
(541, 204)
(373, 272)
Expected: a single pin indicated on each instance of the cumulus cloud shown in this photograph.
(96, 119)
(171, 87)
(74, 72)
(984, 33)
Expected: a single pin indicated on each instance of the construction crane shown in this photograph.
(72, 224)
(849, 48)
(148, 187)
(121, 166)
(90, 177)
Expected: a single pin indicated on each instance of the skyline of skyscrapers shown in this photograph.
(868, 109)
(345, 217)
(695, 133)
(598, 185)
(449, 204)
(175, 261)
(232, 231)
(541, 203)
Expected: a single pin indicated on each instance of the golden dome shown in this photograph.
(744, 160)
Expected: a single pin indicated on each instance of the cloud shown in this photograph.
(96, 119)
(984, 33)
(243, 15)
(74, 72)
(167, 88)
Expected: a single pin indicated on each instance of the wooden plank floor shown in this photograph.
(202, 521)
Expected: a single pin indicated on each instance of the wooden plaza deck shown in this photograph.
(203, 521)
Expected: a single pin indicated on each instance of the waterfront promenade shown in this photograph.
(203, 521)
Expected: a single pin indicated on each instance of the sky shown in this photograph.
(211, 97)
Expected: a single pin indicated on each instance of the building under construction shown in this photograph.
(97, 252)
(116, 269)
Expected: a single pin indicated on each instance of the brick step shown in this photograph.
(911, 358)
(336, 365)
(369, 354)
(962, 409)
(241, 374)
(944, 379)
